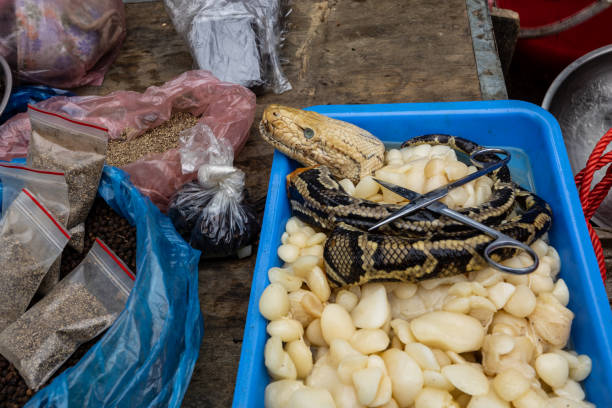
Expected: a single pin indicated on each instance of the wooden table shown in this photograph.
(340, 52)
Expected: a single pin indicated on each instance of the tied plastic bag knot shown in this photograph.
(227, 179)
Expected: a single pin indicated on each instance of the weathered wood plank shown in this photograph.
(353, 51)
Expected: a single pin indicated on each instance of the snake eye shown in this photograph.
(308, 133)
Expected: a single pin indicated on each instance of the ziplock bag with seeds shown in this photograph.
(84, 304)
(50, 188)
(78, 149)
(31, 239)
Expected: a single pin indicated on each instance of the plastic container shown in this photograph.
(495, 123)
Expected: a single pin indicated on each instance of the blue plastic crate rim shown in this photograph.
(494, 123)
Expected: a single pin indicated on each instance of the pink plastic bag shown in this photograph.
(228, 109)
(62, 43)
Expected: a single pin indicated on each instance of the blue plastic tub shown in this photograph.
(498, 123)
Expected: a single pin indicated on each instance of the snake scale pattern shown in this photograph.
(420, 246)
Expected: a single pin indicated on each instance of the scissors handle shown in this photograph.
(503, 241)
(500, 241)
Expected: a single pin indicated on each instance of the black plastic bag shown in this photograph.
(213, 215)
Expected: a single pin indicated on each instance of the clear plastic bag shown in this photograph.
(228, 109)
(52, 191)
(212, 213)
(76, 148)
(84, 304)
(31, 239)
(61, 43)
(237, 40)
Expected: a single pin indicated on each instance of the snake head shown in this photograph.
(311, 139)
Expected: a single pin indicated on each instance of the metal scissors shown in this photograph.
(425, 200)
(500, 240)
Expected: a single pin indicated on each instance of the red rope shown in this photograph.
(591, 198)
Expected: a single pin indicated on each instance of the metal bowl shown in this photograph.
(6, 83)
(581, 100)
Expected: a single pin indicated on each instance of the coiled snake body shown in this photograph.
(420, 246)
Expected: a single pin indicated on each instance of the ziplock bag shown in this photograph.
(228, 109)
(212, 213)
(76, 148)
(237, 40)
(62, 43)
(51, 189)
(84, 304)
(30, 241)
(146, 358)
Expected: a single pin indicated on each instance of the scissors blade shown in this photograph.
(410, 195)
(425, 200)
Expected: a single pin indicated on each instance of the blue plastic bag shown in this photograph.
(147, 356)
(29, 94)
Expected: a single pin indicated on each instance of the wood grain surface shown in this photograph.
(338, 52)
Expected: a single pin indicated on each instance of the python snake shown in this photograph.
(420, 246)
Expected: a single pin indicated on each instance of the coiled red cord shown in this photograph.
(591, 199)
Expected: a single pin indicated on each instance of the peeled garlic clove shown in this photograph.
(366, 187)
(368, 341)
(277, 361)
(317, 282)
(448, 331)
(293, 225)
(310, 397)
(286, 329)
(348, 186)
(531, 399)
(582, 369)
(347, 300)
(433, 398)
(552, 368)
(366, 383)
(298, 239)
(489, 400)
(277, 393)
(551, 320)
(316, 239)
(467, 378)
(373, 308)
(435, 167)
(288, 252)
(345, 396)
(561, 292)
(314, 333)
(405, 374)
(434, 379)
(423, 355)
(315, 250)
(339, 349)
(282, 276)
(301, 356)
(570, 390)
(336, 323)
(402, 329)
(383, 395)
(349, 365)
(522, 302)
(274, 302)
(304, 264)
(510, 385)
(500, 293)
(323, 376)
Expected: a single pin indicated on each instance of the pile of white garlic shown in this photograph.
(485, 339)
(422, 169)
